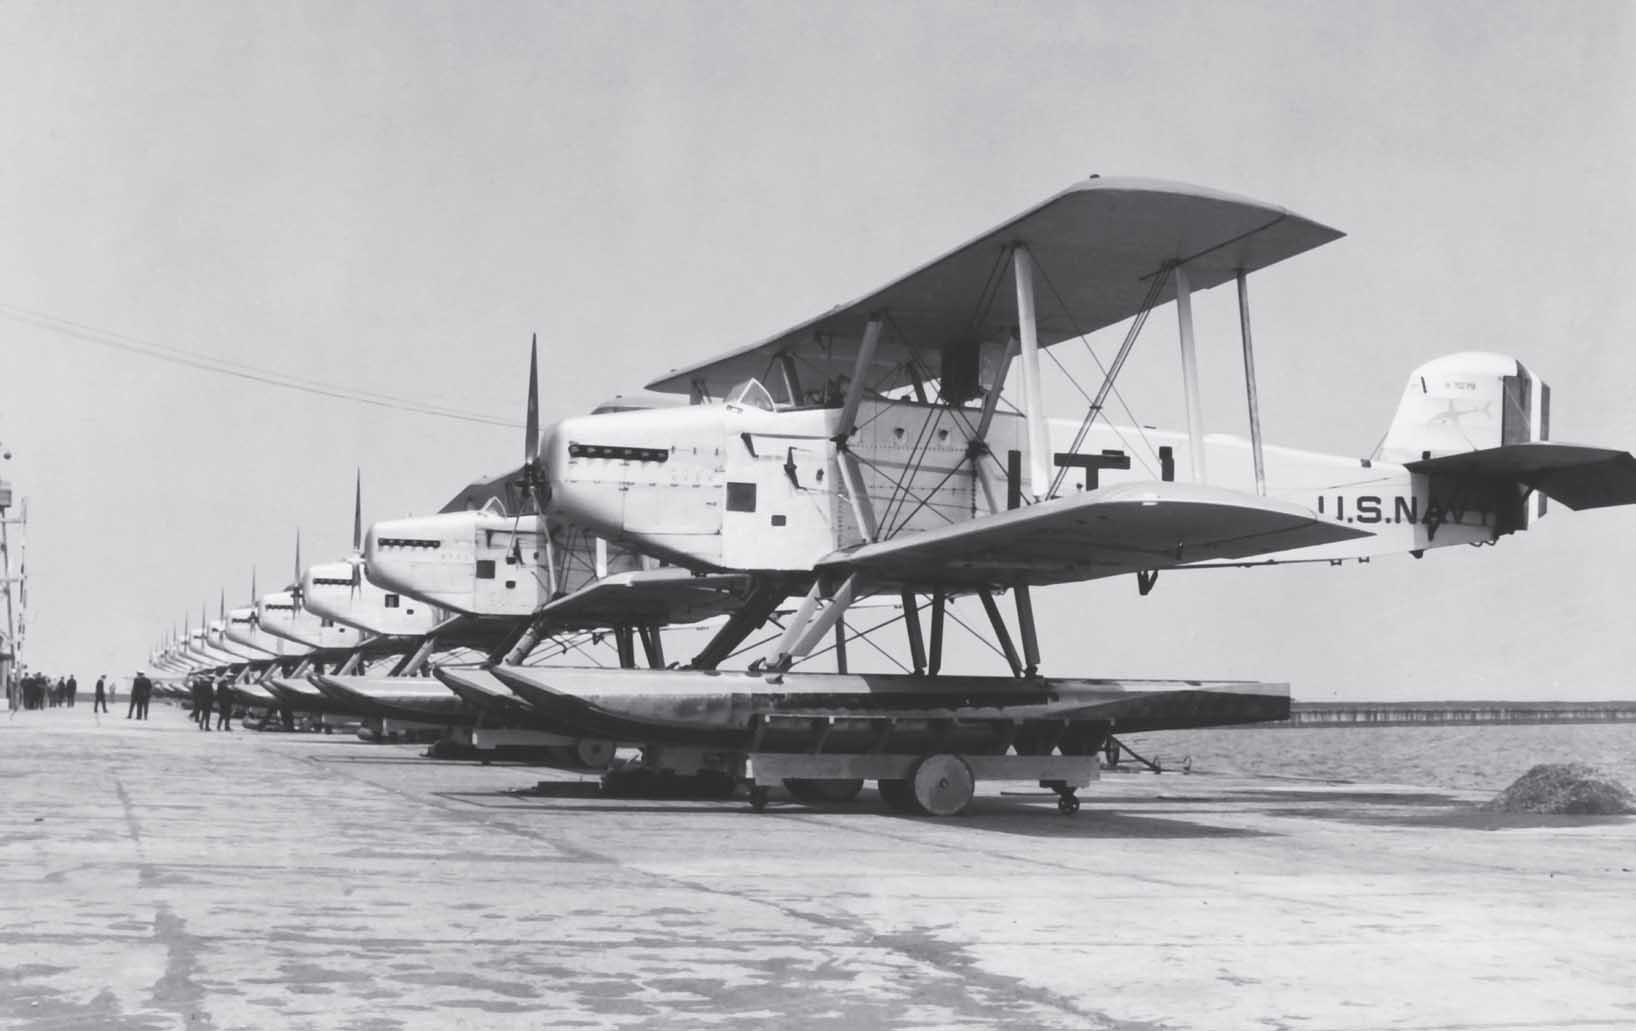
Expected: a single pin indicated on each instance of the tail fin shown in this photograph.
(1469, 401)
(1475, 422)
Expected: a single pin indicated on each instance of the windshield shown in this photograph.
(751, 394)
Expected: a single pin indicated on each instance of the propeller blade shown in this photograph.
(357, 534)
(531, 442)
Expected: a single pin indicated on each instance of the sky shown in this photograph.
(392, 197)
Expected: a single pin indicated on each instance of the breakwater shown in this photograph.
(1323, 714)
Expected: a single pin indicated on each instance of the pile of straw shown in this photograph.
(1565, 788)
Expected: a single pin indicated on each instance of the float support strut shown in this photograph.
(827, 619)
(1001, 634)
(934, 659)
(764, 597)
(653, 646)
(1025, 623)
(911, 620)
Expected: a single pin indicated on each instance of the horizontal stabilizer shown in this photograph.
(1100, 533)
(1577, 476)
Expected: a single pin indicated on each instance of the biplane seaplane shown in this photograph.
(879, 462)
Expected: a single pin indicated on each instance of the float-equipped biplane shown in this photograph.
(879, 461)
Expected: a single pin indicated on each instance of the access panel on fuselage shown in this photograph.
(779, 496)
(915, 464)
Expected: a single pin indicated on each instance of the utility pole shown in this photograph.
(12, 585)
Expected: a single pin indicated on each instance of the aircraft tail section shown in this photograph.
(1470, 401)
(1475, 402)
(1579, 477)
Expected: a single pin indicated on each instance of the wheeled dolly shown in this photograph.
(935, 784)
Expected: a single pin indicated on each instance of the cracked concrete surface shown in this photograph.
(153, 877)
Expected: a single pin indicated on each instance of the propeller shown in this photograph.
(358, 532)
(535, 484)
(295, 587)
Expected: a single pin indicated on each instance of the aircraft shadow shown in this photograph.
(1025, 817)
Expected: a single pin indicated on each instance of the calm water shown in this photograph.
(1484, 758)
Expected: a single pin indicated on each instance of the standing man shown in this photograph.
(100, 702)
(224, 703)
(203, 701)
(141, 689)
(73, 690)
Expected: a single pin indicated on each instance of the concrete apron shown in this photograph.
(152, 876)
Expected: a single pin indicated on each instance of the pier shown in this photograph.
(159, 877)
(1394, 714)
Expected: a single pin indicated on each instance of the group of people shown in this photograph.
(211, 697)
(39, 692)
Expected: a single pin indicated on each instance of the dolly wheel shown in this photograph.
(758, 797)
(1067, 803)
(943, 784)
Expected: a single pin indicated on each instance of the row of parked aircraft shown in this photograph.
(885, 453)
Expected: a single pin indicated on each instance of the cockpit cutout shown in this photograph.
(751, 394)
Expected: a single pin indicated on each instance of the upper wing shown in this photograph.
(1579, 477)
(1096, 246)
(1118, 529)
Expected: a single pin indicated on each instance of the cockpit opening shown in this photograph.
(751, 394)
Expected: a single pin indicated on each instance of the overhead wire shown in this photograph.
(238, 370)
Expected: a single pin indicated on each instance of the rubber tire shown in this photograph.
(809, 791)
(943, 784)
(898, 796)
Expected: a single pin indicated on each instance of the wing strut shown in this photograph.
(1190, 376)
(1251, 394)
(1039, 451)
